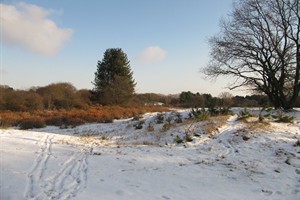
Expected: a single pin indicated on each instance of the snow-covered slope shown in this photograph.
(111, 161)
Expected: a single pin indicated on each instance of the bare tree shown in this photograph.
(225, 100)
(259, 46)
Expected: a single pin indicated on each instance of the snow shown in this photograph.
(111, 161)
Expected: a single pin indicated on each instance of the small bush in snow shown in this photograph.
(178, 118)
(280, 117)
(199, 114)
(169, 119)
(160, 118)
(139, 125)
(178, 139)
(265, 109)
(189, 137)
(150, 127)
(244, 114)
(297, 144)
(104, 137)
(166, 126)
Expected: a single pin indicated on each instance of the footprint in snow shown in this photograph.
(166, 197)
(266, 192)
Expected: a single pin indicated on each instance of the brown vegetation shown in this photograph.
(211, 126)
(74, 117)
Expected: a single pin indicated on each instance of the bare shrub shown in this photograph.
(30, 124)
(65, 121)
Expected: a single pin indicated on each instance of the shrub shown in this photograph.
(178, 139)
(199, 114)
(73, 122)
(55, 121)
(225, 111)
(139, 124)
(137, 117)
(65, 121)
(244, 114)
(267, 114)
(160, 117)
(150, 127)
(107, 119)
(178, 118)
(30, 124)
(297, 144)
(169, 119)
(280, 117)
(75, 117)
(166, 126)
(188, 137)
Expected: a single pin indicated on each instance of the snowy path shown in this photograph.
(69, 176)
(36, 176)
(57, 171)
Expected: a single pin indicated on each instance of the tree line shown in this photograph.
(50, 97)
(65, 96)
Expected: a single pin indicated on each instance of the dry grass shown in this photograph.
(143, 143)
(256, 126)
(75, 117)
(94, 140)
(209, 126)
(214, 123)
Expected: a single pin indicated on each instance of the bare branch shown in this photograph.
(260, 46)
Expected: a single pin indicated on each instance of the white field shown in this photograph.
(110, 161)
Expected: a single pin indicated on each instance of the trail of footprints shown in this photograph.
(61, 184)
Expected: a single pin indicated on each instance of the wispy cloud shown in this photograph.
(29, 26)
(152, 54)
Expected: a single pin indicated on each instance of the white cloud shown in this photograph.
(152, 54)
(29, 26)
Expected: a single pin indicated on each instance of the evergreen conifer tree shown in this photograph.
(114, 83)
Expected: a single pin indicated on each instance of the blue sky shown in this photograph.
(166, 41)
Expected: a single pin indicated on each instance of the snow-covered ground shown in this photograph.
(118, 161)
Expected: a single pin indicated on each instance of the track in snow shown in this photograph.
(63, 183)
(221, 146)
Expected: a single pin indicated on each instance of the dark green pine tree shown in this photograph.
(114, 83)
